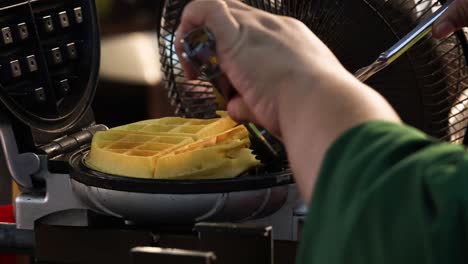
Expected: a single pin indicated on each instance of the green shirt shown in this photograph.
(388, 193)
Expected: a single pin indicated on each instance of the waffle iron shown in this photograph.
(49, 61)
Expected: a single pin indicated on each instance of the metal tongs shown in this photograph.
(402, 46)
(199, 49)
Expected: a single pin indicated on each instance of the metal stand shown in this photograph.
(98, 239)
(147, 255)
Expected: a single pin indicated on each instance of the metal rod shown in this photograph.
(389, 56)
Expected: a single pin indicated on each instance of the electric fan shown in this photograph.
(426, 86)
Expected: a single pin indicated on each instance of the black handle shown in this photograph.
(16, 241)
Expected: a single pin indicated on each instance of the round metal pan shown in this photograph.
(250, 196)
(252, 180)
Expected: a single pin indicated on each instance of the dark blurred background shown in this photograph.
(130, 87)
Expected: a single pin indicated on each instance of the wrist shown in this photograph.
(317, 111)
(303, 98)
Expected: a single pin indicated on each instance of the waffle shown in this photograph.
(223, 156)
(184, 127)
(129, 153)
(173, 148)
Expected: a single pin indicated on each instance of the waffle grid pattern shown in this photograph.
(173, 148)
(139, 144)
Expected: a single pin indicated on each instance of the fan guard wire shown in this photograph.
(427, 86)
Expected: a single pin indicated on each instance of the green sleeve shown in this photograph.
(387, 193)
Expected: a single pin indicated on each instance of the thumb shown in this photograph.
(455, 18)
(239, 111)
(213, 14)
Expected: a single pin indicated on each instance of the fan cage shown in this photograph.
(427, 86)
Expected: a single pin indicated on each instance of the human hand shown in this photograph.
(265, 57)
(455, 18)
(286, 79)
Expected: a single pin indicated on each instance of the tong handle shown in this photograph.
(415, 35)
(402, 46)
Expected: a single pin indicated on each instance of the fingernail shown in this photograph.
(443, 29)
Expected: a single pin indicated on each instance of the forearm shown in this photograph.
(311, 121)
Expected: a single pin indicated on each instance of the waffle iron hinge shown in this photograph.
(70, 143)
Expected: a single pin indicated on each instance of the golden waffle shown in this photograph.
(188, 148)
(223, 156)
(178, 126)
(130, 154)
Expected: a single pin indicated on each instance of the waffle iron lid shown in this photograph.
(49, 60)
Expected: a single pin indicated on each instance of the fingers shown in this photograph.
(222, 19)
(239, 111)
(224, 86)
(455, 18)
(238, 4)
(189, 72)
(212, 14)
